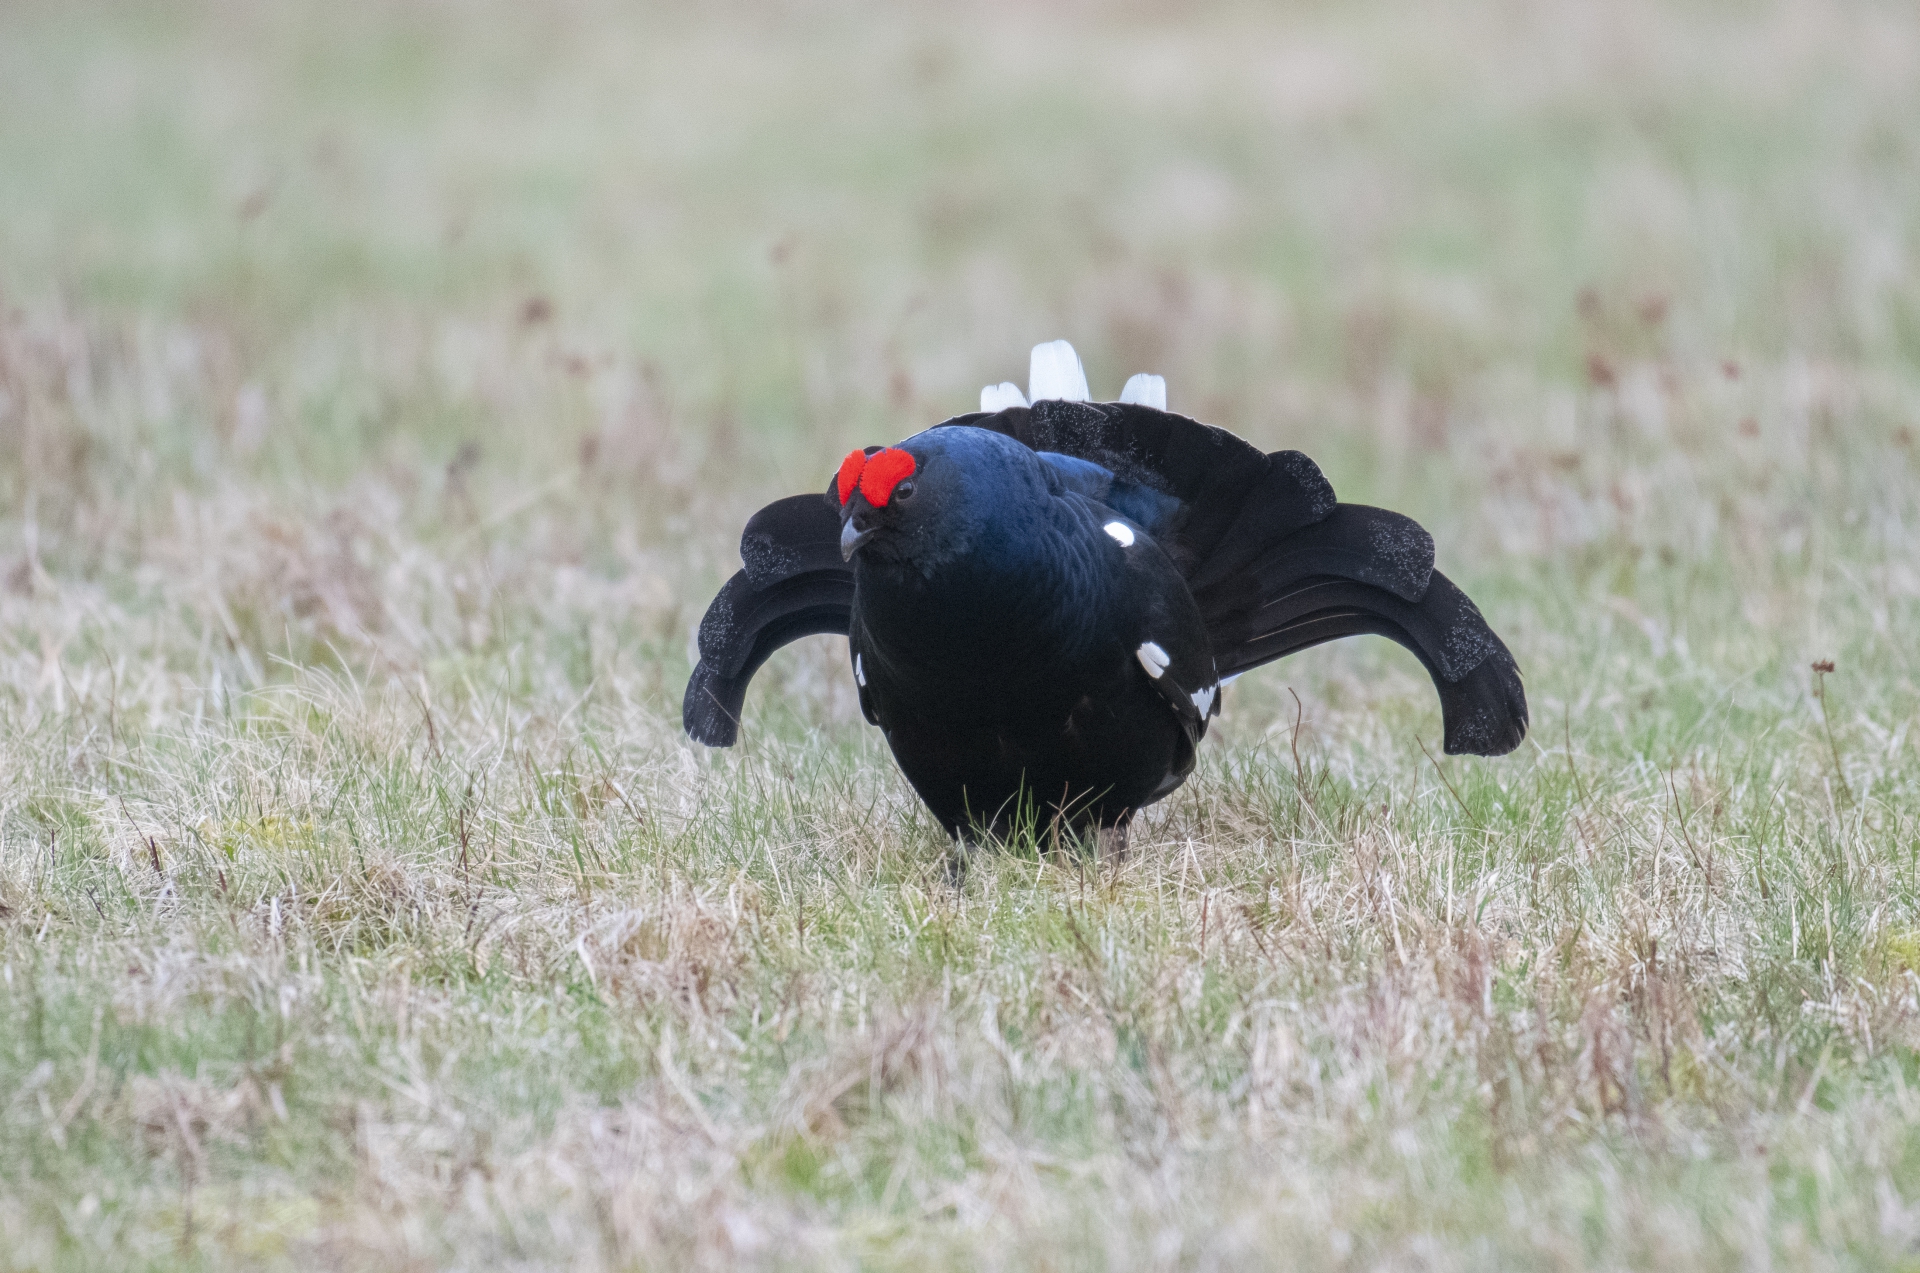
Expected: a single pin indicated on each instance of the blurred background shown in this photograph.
(400, 334)
(384, 385)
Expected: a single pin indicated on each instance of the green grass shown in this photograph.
(382, 391)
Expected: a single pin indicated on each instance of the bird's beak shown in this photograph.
(852, 535)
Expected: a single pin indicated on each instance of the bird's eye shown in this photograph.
(904, 489)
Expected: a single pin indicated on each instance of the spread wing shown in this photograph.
(794, 584)
(1275, 563)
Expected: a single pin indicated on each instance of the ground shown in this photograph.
(383, 388)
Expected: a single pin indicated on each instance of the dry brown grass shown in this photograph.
(381, 393)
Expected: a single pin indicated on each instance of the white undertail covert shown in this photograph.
(1054, 371)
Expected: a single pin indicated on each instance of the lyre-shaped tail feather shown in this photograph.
(794, 585)
(1482, 701)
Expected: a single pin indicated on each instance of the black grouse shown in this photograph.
(1043, 599)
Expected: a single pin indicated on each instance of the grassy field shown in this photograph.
(383, 387)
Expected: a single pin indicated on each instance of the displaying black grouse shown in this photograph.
(1042, 601)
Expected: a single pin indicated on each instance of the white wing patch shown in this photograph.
(1121, 532)
(1146, 391)
(1203, 699)
(1152, 658)
(859, 672)
(1001, 396)
(1054, 371)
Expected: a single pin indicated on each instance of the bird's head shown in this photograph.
(935, 496)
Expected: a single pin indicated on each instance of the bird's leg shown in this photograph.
(1057, 846)
(1110, 843)
(960, 852)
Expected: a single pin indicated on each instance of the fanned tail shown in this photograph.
(1276, 564)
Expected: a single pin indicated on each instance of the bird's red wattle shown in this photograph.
(885, 470)
(849, 477)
